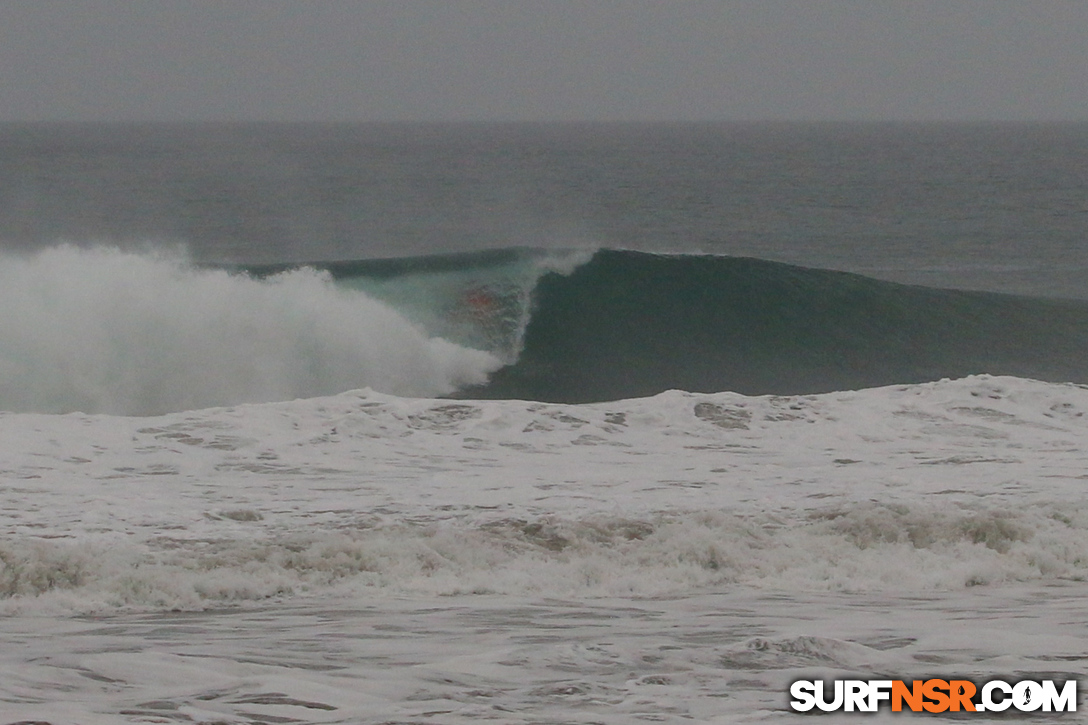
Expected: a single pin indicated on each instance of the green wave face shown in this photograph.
(628, 324)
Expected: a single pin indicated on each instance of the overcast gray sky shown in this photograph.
(377, 60)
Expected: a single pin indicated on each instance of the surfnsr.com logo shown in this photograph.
(934, 696)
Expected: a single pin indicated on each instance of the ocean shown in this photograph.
(536, 423)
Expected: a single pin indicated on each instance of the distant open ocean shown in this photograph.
(535, 423)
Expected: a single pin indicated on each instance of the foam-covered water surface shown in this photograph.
(722, 656)
(933, 486)
(679, 557)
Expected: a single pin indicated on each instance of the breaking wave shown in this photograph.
(622, 324)
(100, 330)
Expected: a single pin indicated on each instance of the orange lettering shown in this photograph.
(961, 692)
(912, 696)
(931, 689)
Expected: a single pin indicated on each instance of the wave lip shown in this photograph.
(105, 331)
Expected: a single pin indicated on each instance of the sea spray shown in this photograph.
(105, 331)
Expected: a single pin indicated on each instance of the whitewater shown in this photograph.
(372, 558)
(101, 330)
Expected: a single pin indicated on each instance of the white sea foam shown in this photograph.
(926, 487)
(366, 558)
(855, 548)
(101, 330)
